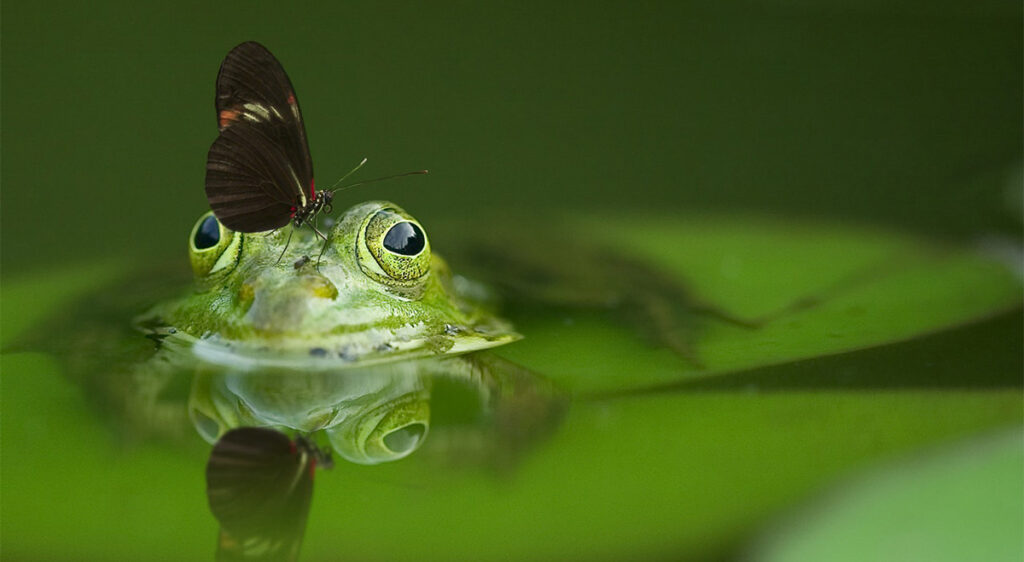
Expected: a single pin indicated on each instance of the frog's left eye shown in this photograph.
(398, 249)
(211, 247)
(207, 233)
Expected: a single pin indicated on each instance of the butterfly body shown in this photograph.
(323, 201)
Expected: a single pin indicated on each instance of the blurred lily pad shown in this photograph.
(962, 502)
(809, 289)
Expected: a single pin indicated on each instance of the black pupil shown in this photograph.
(404, 238)
(208, 234)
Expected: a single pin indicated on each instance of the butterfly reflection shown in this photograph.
(260, 485)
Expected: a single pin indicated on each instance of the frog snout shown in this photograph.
(320, 286)
(285, 306)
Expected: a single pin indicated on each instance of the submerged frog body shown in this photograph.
(377, 293)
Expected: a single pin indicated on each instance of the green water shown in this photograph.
(907, 118)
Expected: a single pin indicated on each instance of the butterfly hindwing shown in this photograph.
(250, 182)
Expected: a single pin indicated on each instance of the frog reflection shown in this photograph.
(369, 416)
(260, 483)
(381, 413)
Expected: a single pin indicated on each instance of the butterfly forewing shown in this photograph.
(259, 170)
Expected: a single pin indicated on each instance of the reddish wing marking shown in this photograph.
(226, 117)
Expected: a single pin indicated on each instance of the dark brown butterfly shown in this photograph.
(259, 484)
(259, 175)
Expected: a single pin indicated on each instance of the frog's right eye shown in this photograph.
(393, 248)
(211, 247)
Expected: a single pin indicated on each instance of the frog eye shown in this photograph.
(207, 233)
(386, 433)
(398, 247)
(405, 239)
(212, 247)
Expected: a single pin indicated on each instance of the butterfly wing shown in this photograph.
(250, 181)
(259, 485)
(259, 169)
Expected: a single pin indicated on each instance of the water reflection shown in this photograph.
(270, 422)
(260, 484)
(270, 426)
(369, 415)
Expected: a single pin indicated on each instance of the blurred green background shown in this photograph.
(906, 113)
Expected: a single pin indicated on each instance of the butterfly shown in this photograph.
(259, 484)
(259, 174)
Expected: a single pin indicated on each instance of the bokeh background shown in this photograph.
(901, 113)
(905, 115)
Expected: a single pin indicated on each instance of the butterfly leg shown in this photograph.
(322, 248)
(286, 244)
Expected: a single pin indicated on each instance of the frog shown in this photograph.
(376, 293)
(345, 348)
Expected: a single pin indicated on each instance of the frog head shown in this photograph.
(374, 291)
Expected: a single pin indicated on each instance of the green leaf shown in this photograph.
(819, 289)
(962, 502)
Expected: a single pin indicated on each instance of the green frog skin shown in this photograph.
(261, 298)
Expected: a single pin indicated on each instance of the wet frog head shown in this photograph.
(377, 293)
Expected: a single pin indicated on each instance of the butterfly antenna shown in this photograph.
(417, 172)
(343, 178)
